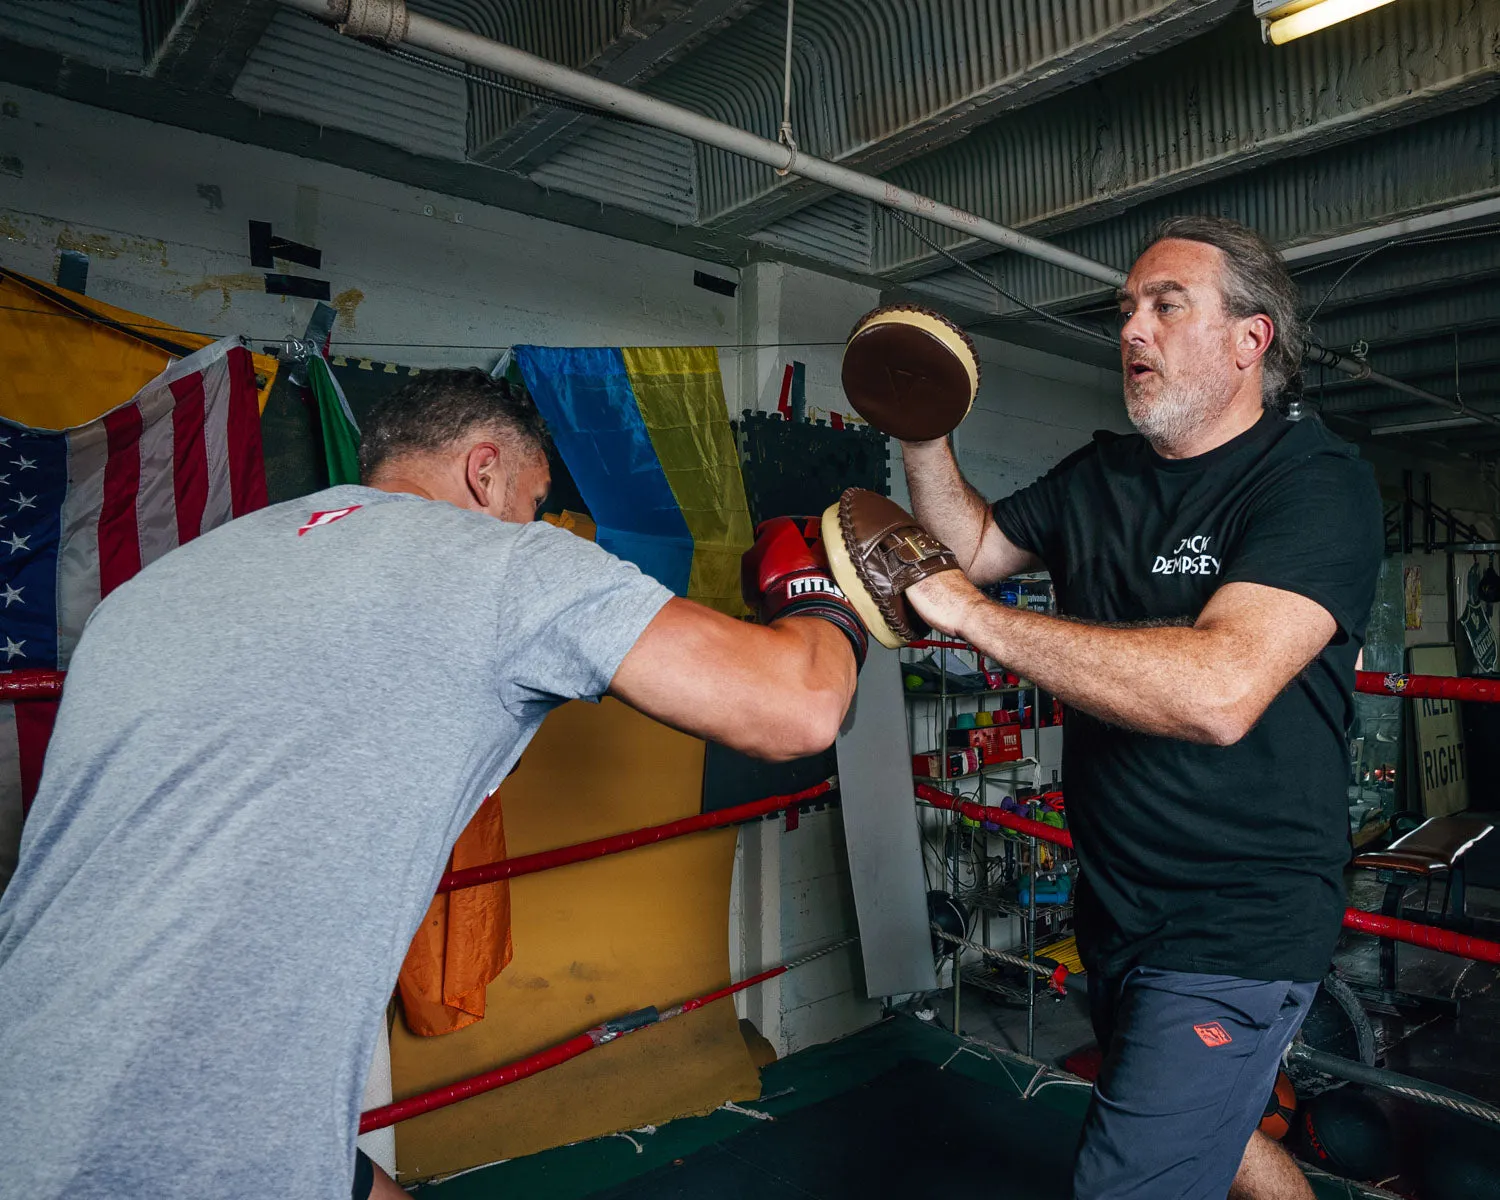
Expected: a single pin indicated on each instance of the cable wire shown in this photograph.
(1081, 330)
(156, 327)
(1361, 258)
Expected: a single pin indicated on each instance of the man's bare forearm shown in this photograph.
(1173, 681)
(942, 500)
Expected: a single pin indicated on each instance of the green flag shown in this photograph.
(340, 432)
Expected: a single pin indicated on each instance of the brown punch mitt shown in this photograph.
(910, 372)
(877, 551)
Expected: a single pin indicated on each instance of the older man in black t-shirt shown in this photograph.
(1216, 569)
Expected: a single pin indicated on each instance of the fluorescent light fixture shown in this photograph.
(1286, 21)
(1453, 422)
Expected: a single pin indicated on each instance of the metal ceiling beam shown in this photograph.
(1422, 225)
(1383, 400)
(1218, 105)
(1465, 425)
(1397, 273)
(202, 45)
(657, 34)
(390, 21)
(424, 33)
(1417, 318)
(1442, 166)
(1356, 395)
(877, 84)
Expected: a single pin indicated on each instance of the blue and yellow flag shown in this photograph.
(645, 434)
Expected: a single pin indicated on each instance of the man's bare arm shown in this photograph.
(778, 691)
(1208, 682)
(948, 507)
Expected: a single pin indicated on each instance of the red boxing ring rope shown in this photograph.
(1422, 935)
(47, 685)
(543, 860)
(31, 685)
(1434, 687)
(1354, 918)
(599, 1035)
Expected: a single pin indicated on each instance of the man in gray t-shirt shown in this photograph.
(268, 743)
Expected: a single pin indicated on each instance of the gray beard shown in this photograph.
(1179, 410)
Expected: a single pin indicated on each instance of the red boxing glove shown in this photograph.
(785, 574)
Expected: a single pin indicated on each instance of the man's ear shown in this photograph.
(482, 474)
(1255, 336)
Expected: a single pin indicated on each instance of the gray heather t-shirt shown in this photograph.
(268, 743)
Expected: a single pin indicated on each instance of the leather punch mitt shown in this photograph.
(910, 372)
(876, 551)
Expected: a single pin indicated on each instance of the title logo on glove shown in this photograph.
(810, 585)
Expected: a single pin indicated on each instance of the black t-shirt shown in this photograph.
(1223, 860)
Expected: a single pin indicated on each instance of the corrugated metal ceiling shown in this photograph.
(105, 33)
(1220, 103)
(303, 69)
(1436, 164)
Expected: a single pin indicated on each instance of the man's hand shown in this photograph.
(785, 574)
(946, 601)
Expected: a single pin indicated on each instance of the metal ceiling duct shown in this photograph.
(391, 21)
(1217, 105)
(377, 18)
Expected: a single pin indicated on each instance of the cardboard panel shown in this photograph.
(592, 941)
(880, 827)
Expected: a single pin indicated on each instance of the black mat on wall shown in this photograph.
(799, 469)
(791, 469)
(731, 778)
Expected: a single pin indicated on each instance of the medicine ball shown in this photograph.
(1462, 1162)
(1281, 1108)
(1345, 1133)
(948, 915)
(1337, 1024)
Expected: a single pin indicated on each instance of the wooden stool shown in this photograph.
(1435, 848)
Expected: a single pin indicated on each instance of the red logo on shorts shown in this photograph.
(1212, 1034)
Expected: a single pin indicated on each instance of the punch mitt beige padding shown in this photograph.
(877, 551)
(910, 372)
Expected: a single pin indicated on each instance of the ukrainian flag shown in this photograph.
(645, 434)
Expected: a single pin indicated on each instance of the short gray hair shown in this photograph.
(1255, 281)
(440, 407)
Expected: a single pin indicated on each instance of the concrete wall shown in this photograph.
(418, 278)
(425, 280)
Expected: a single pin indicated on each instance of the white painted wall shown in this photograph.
(427, 280)
(419, 278)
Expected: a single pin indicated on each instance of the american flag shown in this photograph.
(84, 509)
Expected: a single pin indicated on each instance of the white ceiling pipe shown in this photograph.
(392, 21)
(1407, 227)
(479, 51)
(1361, 371)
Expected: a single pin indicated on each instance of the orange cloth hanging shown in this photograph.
(464, 940)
